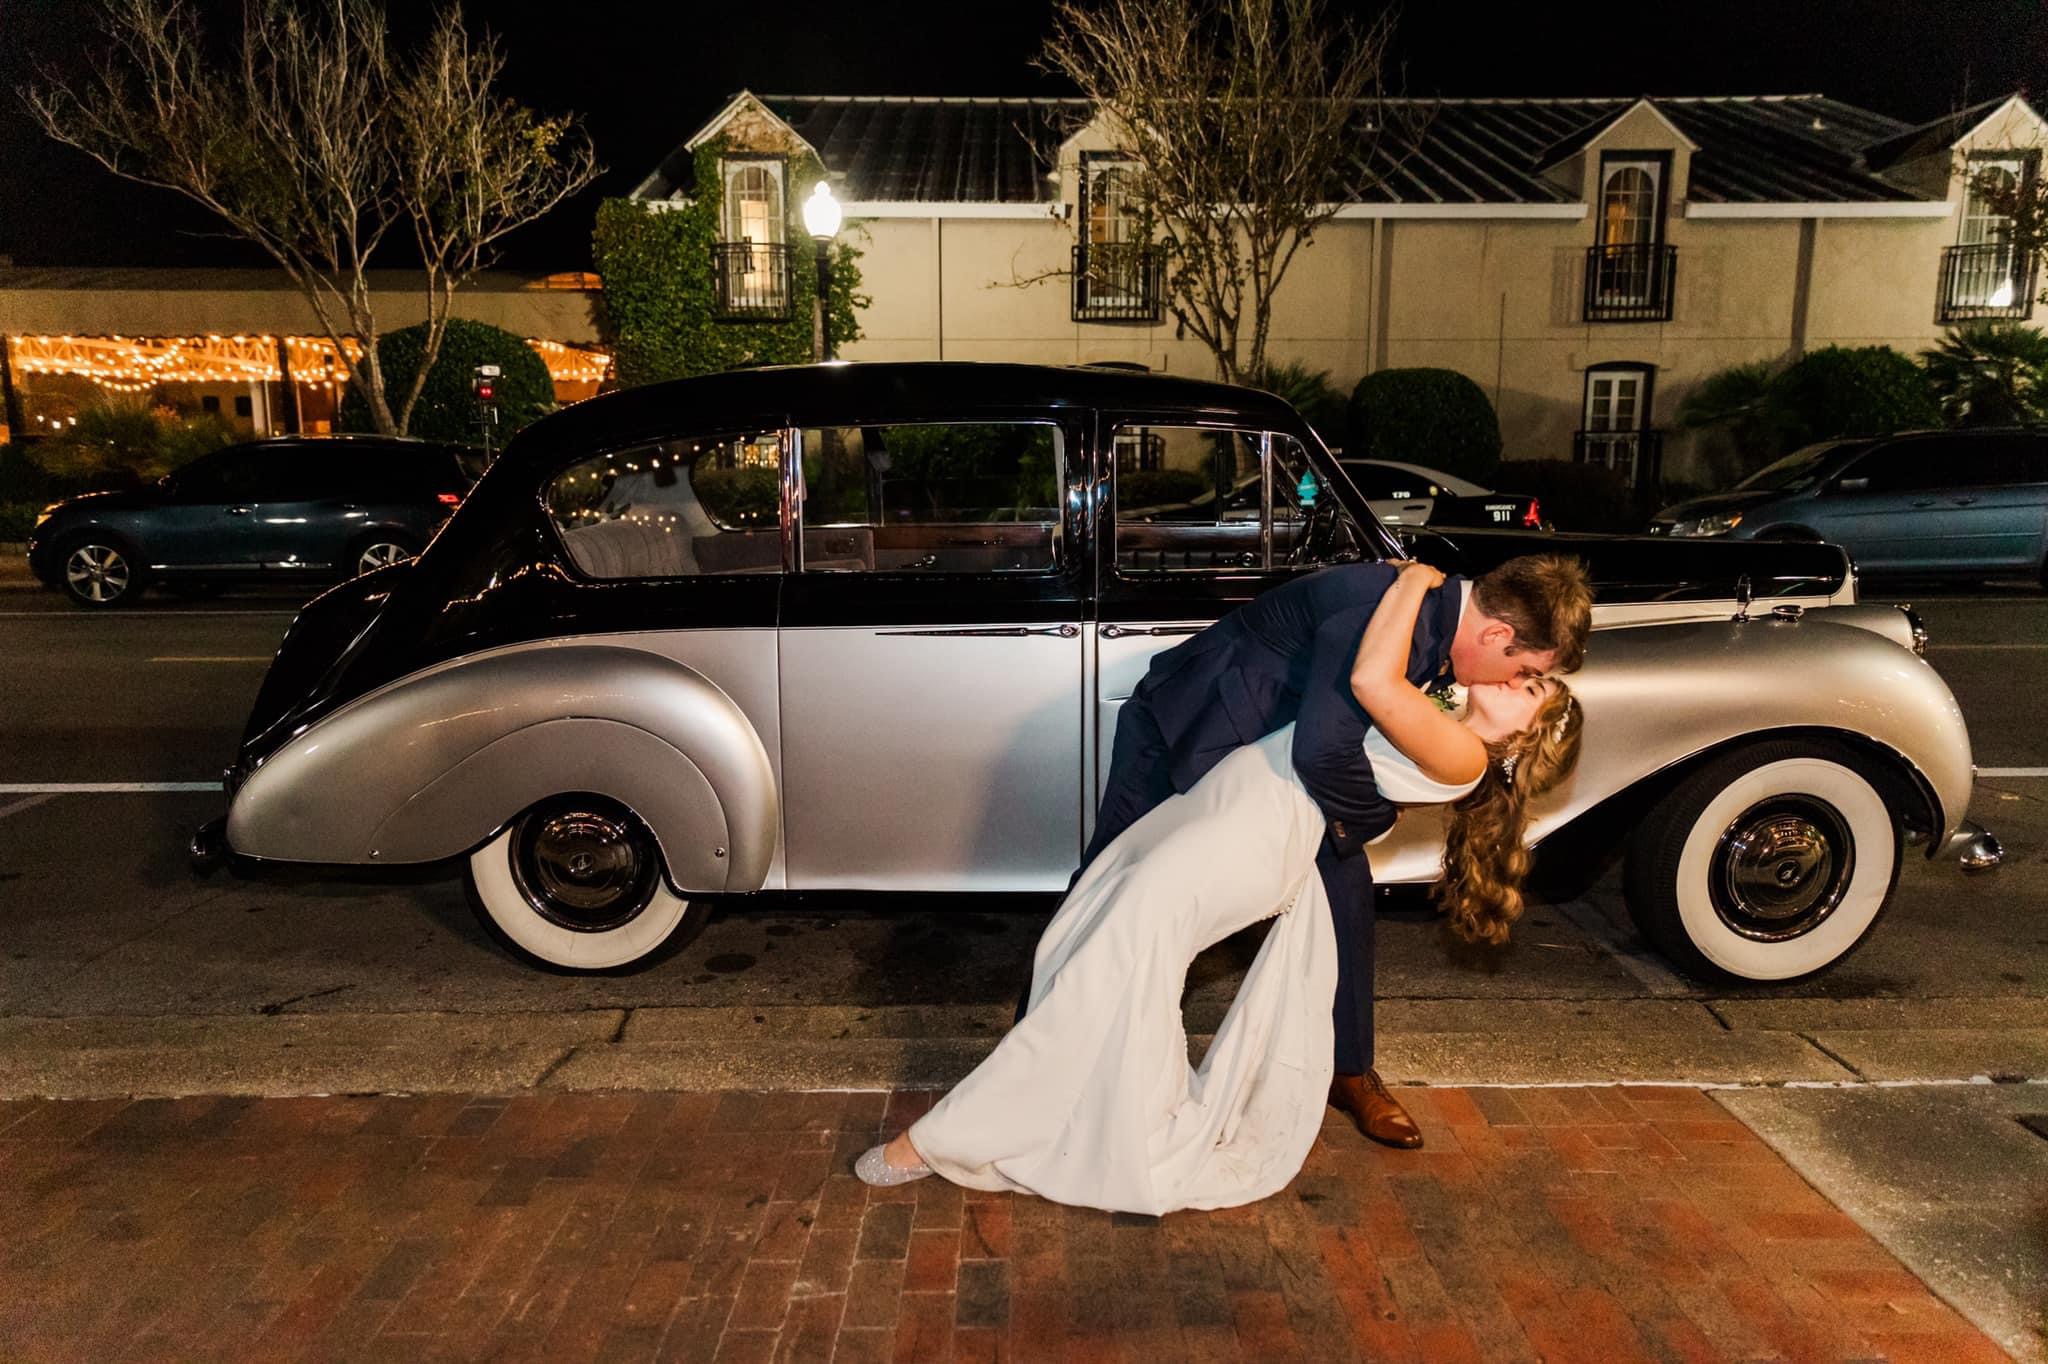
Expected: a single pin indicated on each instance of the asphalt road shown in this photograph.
(102, 916)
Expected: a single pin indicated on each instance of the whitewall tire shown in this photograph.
(577, 884)
(1768, 863)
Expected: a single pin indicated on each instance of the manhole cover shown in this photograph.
(2037, 1123)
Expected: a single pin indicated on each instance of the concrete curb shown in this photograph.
(1442, 1042)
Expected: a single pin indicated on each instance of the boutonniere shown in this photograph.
(1444, 700)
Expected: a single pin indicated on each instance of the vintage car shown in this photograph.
(868, 627)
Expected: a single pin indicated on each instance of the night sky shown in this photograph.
(645, 76)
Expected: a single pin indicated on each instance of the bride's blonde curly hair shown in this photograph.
(1484, 858)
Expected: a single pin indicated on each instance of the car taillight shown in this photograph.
(1533, 518)
(449, 499)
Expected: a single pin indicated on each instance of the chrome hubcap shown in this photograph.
(96, 572)
(585, 864)
(1782, 867)
(381, 555)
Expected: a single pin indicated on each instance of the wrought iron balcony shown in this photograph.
(1638, 456)
(1994, 280)
(750, 281)
(1118, 282)
(1630, 283)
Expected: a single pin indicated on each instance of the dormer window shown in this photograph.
(1630, 271)
(1989, 273)
(1117, 269)
(751, 264)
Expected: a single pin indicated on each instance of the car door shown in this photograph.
(306, 494)
(1882, 508)
(1994, 502)
(932, 653)
(1162, 576)
(204, 523)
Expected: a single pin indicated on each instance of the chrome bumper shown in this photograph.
(1974, 847)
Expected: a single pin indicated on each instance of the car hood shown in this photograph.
(1645, 568)
(120, 499)
(1717, 504)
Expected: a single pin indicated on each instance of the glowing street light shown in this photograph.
(821, 220)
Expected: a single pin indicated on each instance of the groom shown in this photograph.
(1286, 656)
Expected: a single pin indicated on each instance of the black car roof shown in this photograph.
(879, 391)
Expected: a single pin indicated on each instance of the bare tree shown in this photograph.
(318, 142)
(1251, 122)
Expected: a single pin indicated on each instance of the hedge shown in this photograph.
(447, 407)
(1436, 417)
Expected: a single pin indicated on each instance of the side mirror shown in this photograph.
(1852, 485)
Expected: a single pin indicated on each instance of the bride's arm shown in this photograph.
(1437, 744)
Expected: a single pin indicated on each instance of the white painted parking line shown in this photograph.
(101, 788)
(2012, 771)
(211, 658)
(18, 806)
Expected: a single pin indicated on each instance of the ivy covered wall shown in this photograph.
(657, 312)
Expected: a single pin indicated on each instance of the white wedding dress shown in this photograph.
(1090, 1099)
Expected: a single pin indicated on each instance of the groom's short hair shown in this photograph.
(1547, 599)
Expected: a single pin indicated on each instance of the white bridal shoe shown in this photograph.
(872, 1169)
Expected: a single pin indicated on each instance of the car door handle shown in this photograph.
(240, 511)
(1964, 501)
(1119, 631)
(1924, 502)
(989, 632)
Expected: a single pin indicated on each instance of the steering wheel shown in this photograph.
(1318, 533)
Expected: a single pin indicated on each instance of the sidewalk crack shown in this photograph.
(625, 1017)
(1831, 1054)
(547, 1071)
(1717, 1015)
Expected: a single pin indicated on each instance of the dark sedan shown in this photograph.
(289, 508)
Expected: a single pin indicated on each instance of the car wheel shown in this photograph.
(380, 551)
(1769, 863)
(577, 884)
(99, 572)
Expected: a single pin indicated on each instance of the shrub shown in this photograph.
(118, 442)
(1989, 374)
(745, 497)
(1436, 417)
(1581, 497)
(447, 405)
(1142, 488)
(1850, 391)
(1309, 392)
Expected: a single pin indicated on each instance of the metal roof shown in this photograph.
(1751, 148)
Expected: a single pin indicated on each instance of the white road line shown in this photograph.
(210, 658)
(18, 806)
(101, 788)
(2012, 771)
(1943, 648)
(132, 615)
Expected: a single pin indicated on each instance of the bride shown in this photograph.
(1090, 1099)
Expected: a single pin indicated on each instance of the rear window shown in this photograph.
(1383, 483)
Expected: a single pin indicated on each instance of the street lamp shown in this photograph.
(821, 220)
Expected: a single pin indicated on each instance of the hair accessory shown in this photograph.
(1507, 766)
(1557, 730)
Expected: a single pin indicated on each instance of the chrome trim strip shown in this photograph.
(1156, 631)
(990, 632)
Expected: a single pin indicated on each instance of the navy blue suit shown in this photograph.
(1285, 656)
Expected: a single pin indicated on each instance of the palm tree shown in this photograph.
(1989, 374)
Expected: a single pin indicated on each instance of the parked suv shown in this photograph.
(1922, 502)
(288, 508)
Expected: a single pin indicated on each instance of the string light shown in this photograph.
(137, 364)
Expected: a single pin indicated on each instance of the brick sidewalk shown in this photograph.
(1563, 1224)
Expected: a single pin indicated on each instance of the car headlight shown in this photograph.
(1708, 525)
(47, 512)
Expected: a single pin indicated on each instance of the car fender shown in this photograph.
(1656, 696)
(432, 765)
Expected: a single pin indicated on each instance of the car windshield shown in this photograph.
(1800, 469)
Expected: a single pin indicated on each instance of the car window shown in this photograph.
(1310, 526)
(969, 497)
(674, 509)
(230, 475)
(1193, 499)
(1800, 469)
(2001, 459)
(1906, 466)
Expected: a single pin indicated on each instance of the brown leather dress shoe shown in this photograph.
(1377, 1113)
